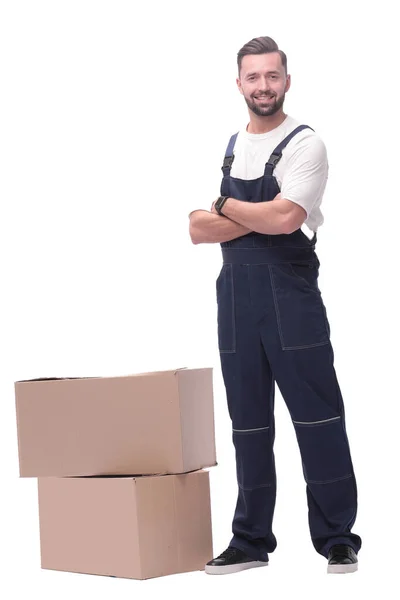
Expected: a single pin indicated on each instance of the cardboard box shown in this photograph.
(135, 527)
(149, 423)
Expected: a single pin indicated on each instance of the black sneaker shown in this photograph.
(231, 561)
(342, 559)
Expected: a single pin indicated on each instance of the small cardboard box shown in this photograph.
(149, 423)
(134, 527)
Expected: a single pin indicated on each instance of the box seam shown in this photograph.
(183, 465)
(178, 552)
(137, 524)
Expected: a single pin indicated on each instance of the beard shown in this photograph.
(270, 107)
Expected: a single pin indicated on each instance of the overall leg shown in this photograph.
(250, 394)
(301, 356)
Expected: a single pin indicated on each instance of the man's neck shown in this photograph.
(264, 124)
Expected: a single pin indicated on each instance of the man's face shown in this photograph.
(263, 83)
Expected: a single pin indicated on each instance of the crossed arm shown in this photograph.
(273, 217)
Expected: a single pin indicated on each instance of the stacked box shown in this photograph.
(119, 462)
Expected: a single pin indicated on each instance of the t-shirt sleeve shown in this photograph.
(306, 173)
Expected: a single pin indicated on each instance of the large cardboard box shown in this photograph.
(135, 527)
(149, 423)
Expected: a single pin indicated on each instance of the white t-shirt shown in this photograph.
(301, 173)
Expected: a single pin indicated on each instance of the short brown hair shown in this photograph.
(261, 45)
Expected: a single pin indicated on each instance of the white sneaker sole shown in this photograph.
(343, 568)
(215, 570)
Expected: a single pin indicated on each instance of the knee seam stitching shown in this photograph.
(250, 430)
(247, 489)
(316, 422)
(330, 480)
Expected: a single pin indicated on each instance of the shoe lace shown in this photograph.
(228, 553)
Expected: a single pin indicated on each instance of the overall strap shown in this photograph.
(229, 156)
(277, 153)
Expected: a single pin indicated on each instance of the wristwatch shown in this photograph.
(219, 204)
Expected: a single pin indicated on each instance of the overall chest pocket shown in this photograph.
(300, 311)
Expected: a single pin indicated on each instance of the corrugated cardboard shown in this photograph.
(126, 527)
(149, 423)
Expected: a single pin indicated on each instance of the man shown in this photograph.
(272, 322)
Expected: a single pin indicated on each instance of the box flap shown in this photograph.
(52, 379)
(174, 371)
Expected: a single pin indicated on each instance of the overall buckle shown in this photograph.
(274, 159)
(228, 160)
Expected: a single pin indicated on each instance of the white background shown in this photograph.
(115, 116)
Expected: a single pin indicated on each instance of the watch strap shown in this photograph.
(220, 203)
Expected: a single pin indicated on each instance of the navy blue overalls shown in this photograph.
(273, 327)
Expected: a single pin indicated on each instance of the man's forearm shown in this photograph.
(207, 227)
(264, 217)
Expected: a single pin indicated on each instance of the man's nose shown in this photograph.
(264, 85)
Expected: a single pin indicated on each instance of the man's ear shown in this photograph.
(239, 85)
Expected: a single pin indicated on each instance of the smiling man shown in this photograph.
(272, 321)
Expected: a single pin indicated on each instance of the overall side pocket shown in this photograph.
(300, 311)
(226, 309)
